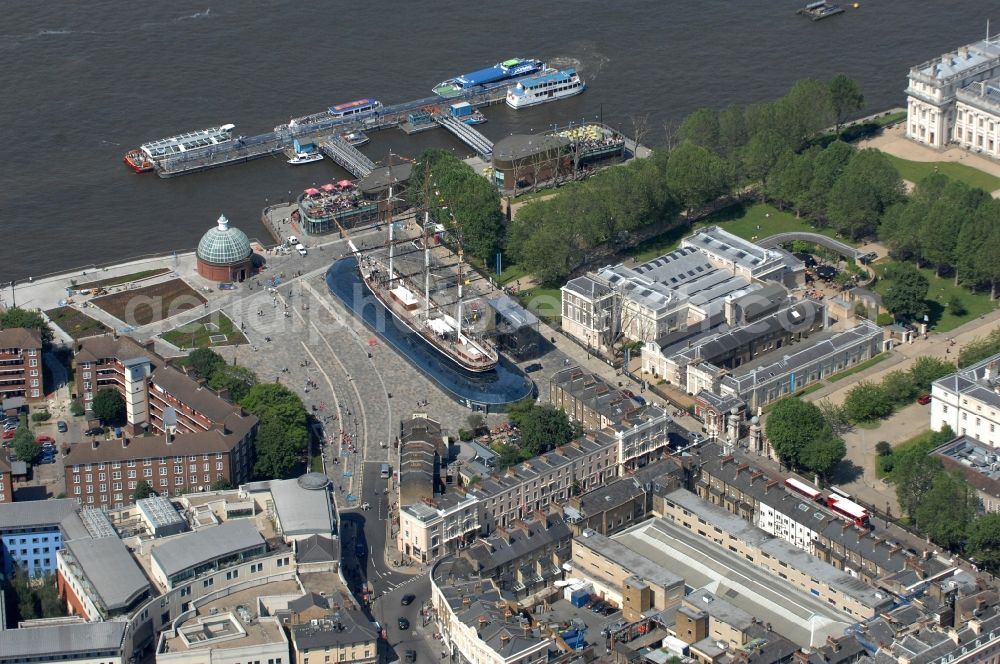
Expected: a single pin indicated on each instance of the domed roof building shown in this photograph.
(224, 253)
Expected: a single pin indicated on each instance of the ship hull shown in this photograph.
(430, 340)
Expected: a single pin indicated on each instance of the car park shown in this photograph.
(404, 623)
(407, 599)
(45, 440)
(62, 427)
(533, 367)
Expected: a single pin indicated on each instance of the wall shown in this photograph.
(32, 549)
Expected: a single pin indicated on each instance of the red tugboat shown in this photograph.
(137, 160)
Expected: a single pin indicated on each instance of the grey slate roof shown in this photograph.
(326, 633)
(609, 496)
(60, 512)
(112, 571)
(316, 549)
(62, 641)
(205, 545)
(500, 548)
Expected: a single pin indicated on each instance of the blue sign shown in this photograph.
(791, 383)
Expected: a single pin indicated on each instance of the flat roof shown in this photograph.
(61, 512)
(59, 641)
(302, 510)
(797, 615)
(112, 571)
(192, 549)
(636, 564)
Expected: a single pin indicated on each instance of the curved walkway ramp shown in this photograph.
(841, 248)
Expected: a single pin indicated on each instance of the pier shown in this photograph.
(319, 127)
(467, 134)
(348, 156)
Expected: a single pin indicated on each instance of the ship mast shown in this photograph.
(461, 278)
(427, 268)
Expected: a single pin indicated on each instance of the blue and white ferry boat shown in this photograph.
(502, 71)
(550, 85)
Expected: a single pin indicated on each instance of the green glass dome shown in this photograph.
(224, 245)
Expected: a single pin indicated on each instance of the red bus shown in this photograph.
(804, 489)
(848, 509)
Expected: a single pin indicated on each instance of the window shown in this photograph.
(218, 465)
(179, 480)
(147, 472)
(164, 481)
(102, 476)
(208, 583)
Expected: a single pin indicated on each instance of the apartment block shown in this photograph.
(21, 364)
(31, 534)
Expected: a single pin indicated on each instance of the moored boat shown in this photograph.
(305, 158)
(502, 71)
(356, 138)
(137, 160)
(550, 85)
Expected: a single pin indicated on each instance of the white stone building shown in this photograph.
(940, 88)
(969, 402)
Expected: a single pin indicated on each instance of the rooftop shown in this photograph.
(721, 244)
(523, 146)
(303, 505)
(961, 61)
(21, 337)
(159, 511)
(57, 642)
(109, 567)
(224, 244)
(343, 628)
(635, 564)
(504, 546)
(60, 512)
(980, 381)
(203, 546)
(977, 461)
(606, 497)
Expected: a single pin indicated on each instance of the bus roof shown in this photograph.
(353, 104)
(849, 507)
(801, 486)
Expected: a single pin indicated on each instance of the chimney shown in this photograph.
(770, 485)
(755, 475)
(94, 444)
(740, 469)
(124, 442)
(726, 459)
(504, 637)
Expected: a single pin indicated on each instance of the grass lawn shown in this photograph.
(739, 220)
(122, 279)
(511, 273)
(915, 171)
(76, 323)
(857, 368)
(150, 304)
(941, 290)
(316, 464)
(889, 119)
(546, 303)
(196, 334)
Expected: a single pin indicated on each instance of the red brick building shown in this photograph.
(21, 364)
(6, 487)
(224, 253)
(212, 439)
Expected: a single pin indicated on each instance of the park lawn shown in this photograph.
(739, 220)
(889, 118)
(76, 323)
(546, 303)
(857, 368)
(511, 273)
(941, 290)
(915, 171)
(196, 335)
(123, 279)
(150, 304)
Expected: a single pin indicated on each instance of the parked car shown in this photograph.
(227, 286)
(45, 440)
(411, 656)
(301, 248)
(629, 393)
(639, 400)
(7, 435)
(404, 623)
(924, 399)
(533, 367)
(62, 427)
(94, 431)
(407, 600)
(292, 240)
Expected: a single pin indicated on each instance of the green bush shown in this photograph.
(40, 416)
(76, 408)
(956, 306)
(884, 319)
(464, 435)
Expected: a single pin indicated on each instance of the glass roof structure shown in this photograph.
(224, 245)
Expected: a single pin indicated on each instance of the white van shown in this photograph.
(386, 472)
(301, 248)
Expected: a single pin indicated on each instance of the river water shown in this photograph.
(80, 83)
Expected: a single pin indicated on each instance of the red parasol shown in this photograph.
(328, 187)
(344, 184)
(312, 191)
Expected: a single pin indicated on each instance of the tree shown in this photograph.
(822, 454)
(29, 318)
(901, 227)
(761, 155)
(542, 428)
(867, 401)
(845, 97)
(696, 175)
(702, 128)
(883, 448)
(25, 445)
(899, 387)
(979, 349)
(868, 185)
(221, 484)
(906, 296)
(835, 416)
(791, 177)
(108, 406)
(283, 434)
(827, 167)
(926, 370)
(203, 362)
(235, 379)
(806, 110)
(793, 425)
(143, 489)
(984, 541)
(956, 307)
(913, 475)
(947, 509)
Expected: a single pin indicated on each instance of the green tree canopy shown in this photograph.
(204, 361)
(236, 379)
(866, 188)
(143, 489)
(984, 541)
(542, 427)
(701, 127)
(906, 296)
(979, 349)
(30, 318)
(899, 387)
(696, 175)
(25, 445)
(845, 98)
(926, 370)
(802, 437)
(947, 509)
(109, 406)
(283, 434)
(913, 475)
(867, 401)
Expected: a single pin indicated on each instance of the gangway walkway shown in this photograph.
(346, 155)
(482, 145)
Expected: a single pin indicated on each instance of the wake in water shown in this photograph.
(589, 63)
(205, 14)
